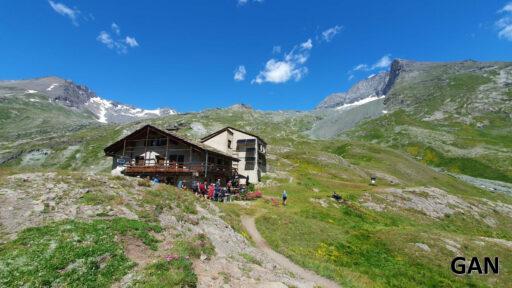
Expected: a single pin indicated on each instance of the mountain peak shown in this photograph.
(240, 106)
(81, 97)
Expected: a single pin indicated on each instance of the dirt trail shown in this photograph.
(250, 225)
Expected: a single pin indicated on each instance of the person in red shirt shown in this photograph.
(211, 191)
(202, 189)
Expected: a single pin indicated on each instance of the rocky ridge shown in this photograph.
(79, 97)
(373, 86)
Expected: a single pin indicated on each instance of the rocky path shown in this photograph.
(309, 276)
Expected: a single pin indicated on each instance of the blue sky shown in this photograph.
(288, 54)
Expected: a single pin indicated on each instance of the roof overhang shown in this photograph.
(112, 148)
(208, 137)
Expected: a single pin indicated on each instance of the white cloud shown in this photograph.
(383, 62)
(507, 8)
(329, 34)
(115, 28)
(360, 67)
(131, 41)
(105, 38)
(64, 10)
(290, 68)
(120, 44)
(506, 32)
(240, 73)
(279, 72)
(307, 45)
(504, 24)
(243, 2)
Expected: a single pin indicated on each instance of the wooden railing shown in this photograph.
(179, 168)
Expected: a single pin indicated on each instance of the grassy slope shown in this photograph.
(352, 244)
(28, 115)
(90, 253)
(363, 248)
(472, 137)
(38, 124)
(357, 246)
(70, 253)
(446, 145)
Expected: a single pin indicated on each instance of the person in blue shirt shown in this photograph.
(285, 197)
(217, 191)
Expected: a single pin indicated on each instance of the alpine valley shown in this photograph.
(436, 135)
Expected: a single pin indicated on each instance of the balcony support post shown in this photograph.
(206, 166)
(146, 146)
(166, 148)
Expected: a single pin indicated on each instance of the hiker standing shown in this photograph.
(211, 190)
(285, 196)
(217, 191)
(202, 189)
(195, 187)
(229, 186)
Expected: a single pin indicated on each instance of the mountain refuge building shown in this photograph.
(156, 153)
(250, 149)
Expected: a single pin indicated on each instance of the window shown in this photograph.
(249, 165)
(177, 158)
(229, 144)
(157, 142)
(250, 162)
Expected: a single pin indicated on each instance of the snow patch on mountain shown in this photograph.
(52, 86)
(360, 102)
(374, 85)
(102, 105)
(111, 112)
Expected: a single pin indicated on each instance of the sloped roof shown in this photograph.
(112, 148)
(229, 127)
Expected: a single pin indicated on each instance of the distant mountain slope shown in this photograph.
(459, 90)
(78, 97)
(373, 86)
(456, 116)
(337, 121)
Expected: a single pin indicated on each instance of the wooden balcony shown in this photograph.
(173, 168)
